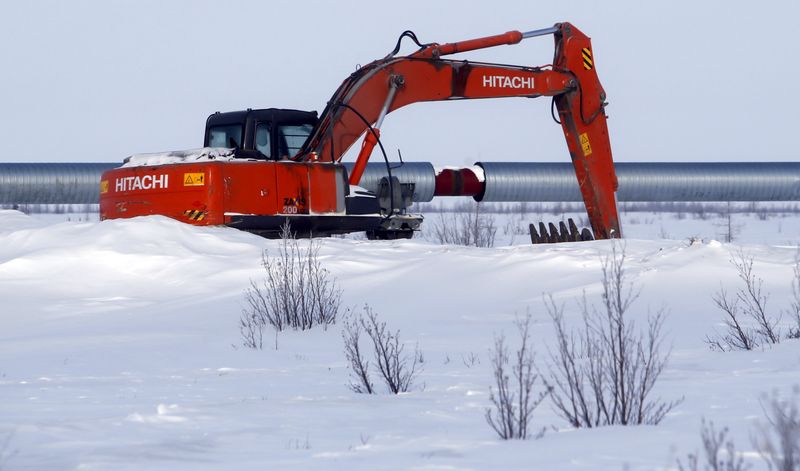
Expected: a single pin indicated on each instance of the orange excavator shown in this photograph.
(259, 169)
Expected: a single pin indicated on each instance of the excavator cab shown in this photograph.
(265, 134)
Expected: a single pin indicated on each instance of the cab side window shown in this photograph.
(225, 136)
(262, 142)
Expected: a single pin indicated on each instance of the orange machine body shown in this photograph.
(215, 193)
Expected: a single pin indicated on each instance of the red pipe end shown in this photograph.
(458, 182)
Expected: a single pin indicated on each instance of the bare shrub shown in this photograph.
(778, 440)
(514, 399)
(297, 292)
(748, 304)
(470, 360)
(736, 336)
(359, 366)
(719, 454)
(794, 306)
(397, 369)
(472, 227)
(605, 373)
(729, 229)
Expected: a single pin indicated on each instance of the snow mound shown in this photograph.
(121, 349)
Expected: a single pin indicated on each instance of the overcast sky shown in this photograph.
(686, 80)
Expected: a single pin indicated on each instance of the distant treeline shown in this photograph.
(54, 208)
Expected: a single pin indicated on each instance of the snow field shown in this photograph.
(119, 349)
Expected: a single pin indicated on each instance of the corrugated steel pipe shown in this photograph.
(658, 181)
(51, 183)
(78, 183)
(422, 174)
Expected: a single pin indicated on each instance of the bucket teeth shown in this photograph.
(574, 234)
(564, 232)
(534, 234)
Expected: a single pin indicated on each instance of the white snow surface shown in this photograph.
(203, 154)
(120, 349)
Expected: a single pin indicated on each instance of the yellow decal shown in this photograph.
(194, 179)
(588, 63)
(585, 145)
(103, 186)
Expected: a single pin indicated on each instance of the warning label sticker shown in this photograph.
(586, 53)
(585, 145)
(194, 179)
(103, 186)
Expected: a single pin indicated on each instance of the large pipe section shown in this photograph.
(77, 183)
(51, 183)
(422, 174)
(658, 181)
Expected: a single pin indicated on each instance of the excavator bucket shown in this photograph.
(565, 232)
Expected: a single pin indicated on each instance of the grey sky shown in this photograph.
(100, 80)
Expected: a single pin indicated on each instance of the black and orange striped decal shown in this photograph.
(194, 214)
(588, 63)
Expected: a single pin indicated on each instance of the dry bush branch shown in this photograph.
(605, 374)
(747, 306)
(714, 445)
(794, 307)
(753, 298)
(472, 228)
(736, 336)
(397, 368)
(514, 399)
(297, 292)
(778, 440)
(359, 366)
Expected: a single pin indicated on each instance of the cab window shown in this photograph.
(225, 136)
(291, 138)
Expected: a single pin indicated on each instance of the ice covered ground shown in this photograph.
(119, 349)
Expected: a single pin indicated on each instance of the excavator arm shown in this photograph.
(362, 102)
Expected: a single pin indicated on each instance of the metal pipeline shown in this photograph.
(51, 183)
(422, 174)
(78, 183)
(658, 181)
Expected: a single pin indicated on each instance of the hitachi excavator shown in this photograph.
(260, 169)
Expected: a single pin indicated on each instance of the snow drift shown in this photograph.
(120, 350)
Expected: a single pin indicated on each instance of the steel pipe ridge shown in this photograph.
(78, 183)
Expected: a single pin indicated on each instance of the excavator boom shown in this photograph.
(363, 100)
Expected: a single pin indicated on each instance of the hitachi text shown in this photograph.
(145, 182)
(501, 81)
